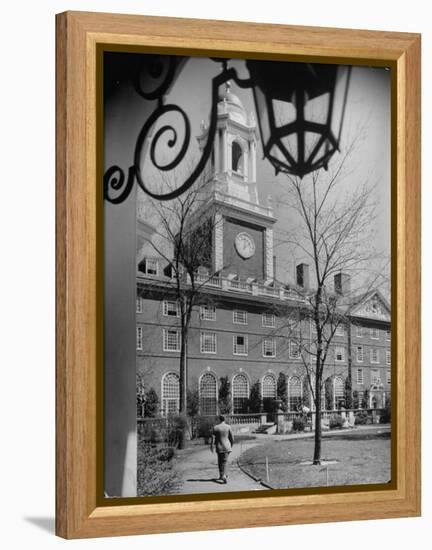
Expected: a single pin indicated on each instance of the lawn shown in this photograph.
(354, 458)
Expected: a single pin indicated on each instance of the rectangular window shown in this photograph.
(360, 379)
(150, 266)
(240, 317)
(388, 335)
(240, 344)
(269, 347)
(139, 305)
(139, 338)
(340, 330)
(374, 357)
(388, 357)
(171, 309)
(359, 331)
(268, 320)
(374, 332)
(388, 376)
(208, 313)
(208, 342)
(171, 339)
(339, 353)
(359, 354)
(375, 376)
(294, 350)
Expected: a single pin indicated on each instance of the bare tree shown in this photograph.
(334, 215)
(184, 237)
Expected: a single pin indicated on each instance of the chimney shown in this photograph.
(302, 275)
(342, 283)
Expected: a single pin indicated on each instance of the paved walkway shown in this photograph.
(199, 471)
(198, 468)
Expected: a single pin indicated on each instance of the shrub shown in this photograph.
(177, 427)
(336, 422)
(361, 418)
(151, 403)
(224, 399)
(385, 417)
(282, 392)
(255, 398)
(365, 400)
(355, 403)
(156, 471)
(204, 426)
(299, 423)
(192, 400)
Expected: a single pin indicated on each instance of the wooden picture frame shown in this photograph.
(80, 511)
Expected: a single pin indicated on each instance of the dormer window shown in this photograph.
(149, 266)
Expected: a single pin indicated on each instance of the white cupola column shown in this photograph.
(216, 147)
(252, 161)
(224, 150)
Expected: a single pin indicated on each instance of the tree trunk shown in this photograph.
(183, 371)
(318, 431)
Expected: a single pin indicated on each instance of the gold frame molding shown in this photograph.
(79, 512)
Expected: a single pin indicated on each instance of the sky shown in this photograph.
(368, 106)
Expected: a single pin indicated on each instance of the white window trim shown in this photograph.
(273, 341)
(139, 304)
(165, 308)
(388, 357)
(359, 331)
(388, 376)
(371, 356)
(343, 360)
(293, 356)
(139, 338)
(340, 330)
(204, 309)
(357, 354)
(165, 339)
(272, 323)
(272, 376)
(377, 380)
(244, 354)
(156, 263)
(202, 334)
(240, 322)
(372, 333)
(388, 335)
(360, 382)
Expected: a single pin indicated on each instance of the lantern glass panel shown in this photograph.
(339, 100)
(311, 141)
(263, 115)
(316, 109)
(284, 112)
(290, 142)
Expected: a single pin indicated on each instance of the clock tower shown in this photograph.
(243, 229)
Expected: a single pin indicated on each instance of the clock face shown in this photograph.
(245, 245)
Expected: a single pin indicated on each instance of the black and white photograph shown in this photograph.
(247, 275)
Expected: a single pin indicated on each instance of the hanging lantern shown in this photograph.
(300, 109)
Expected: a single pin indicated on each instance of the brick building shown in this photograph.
(242, 329)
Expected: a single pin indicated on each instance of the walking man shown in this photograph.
(223, 440)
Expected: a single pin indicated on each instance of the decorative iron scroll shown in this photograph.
(161, 73)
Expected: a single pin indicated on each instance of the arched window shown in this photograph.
(240, 389)
(268, 392)
(208, 394)
(236, 157)
(170, 393)
(294, 393)
(339, 392)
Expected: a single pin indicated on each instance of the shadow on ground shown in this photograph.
(46, 524)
